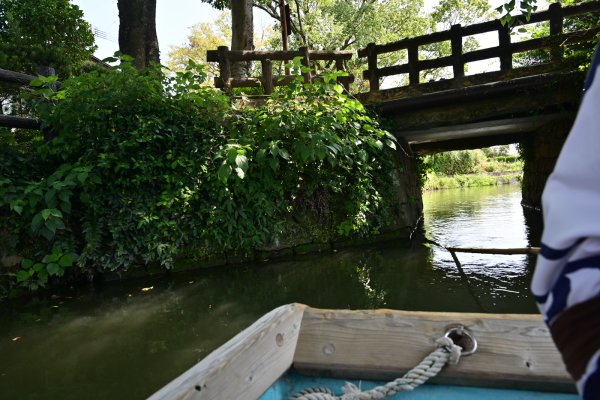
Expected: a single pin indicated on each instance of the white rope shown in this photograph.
(446, 352)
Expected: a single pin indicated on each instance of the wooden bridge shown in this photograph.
(463, 111)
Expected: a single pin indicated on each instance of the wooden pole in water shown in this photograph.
(520, 250)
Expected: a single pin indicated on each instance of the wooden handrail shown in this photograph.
(504, 51)
(15, 77)
(268, 80)
(11, 121)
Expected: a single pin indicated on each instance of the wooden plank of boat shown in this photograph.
(245, 366)
(514, 351)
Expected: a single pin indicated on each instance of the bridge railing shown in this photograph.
(556, 42)
(20, 79)
(268, 80)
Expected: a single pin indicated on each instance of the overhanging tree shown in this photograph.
(44, 33)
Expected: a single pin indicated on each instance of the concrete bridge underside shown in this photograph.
(483, 115)
(536, 111)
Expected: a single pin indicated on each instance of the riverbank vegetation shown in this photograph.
(136, 168)
(467, 168)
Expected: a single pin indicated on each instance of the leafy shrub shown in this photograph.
(141, 167)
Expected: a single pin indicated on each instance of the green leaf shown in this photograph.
(321, 153)
(53, 257)
(66, 261)
(224, 172)
(37, 82)
(16, 207)
(37, 267)
(241, 162)
(46, 213)
(23, 276)
(36, 222)
(53, 269)
(26, 263)
(47, 233)
(42, 276)
(240, 173)
(82, 176)
(284, 154)
(50, 198)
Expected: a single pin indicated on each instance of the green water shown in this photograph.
(124, 341)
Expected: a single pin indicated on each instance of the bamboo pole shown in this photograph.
(508, 251)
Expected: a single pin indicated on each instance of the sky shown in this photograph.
(173, 20)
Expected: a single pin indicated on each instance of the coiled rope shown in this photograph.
(446, 352)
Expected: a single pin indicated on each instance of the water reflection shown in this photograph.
(122, 341)
(495, 219)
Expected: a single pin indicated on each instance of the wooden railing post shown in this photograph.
(458, 68)
(225, 68)
(339, 66)
(413, 68)
(267, 75)
(372, 65)
(556, 28)
(306, 62)
(505, 51)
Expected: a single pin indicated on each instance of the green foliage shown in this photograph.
(47, 33)
(436, 182)
(309, 138)
(526, 7)
(576, 55)
(484, 167)
(454, 162)
(142, 167)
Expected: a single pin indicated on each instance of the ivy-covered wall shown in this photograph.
(140, 171)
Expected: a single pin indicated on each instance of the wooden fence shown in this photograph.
(268, 80)
(556, 42)
(11, 121)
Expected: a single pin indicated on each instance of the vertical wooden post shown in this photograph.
(284, 37)
(225, 68)
(413, 67)
(458, 68)
(372, 65)
(505, 50)
(306, 62)
(556, 28)
(267, 76)
(339, 66)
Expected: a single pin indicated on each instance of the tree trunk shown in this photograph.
(137, 31)
(242, 33)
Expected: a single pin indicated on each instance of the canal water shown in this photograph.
(126, 340)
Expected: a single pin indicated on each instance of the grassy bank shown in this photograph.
(437, 182)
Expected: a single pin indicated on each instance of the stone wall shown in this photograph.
(311, 228)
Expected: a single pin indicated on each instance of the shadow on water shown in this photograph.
(126, 340)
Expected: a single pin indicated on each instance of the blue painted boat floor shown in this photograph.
(293, 382)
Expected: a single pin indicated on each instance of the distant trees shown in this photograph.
(352, 24)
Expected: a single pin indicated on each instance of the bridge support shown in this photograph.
(540, 153)
(406, 190)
